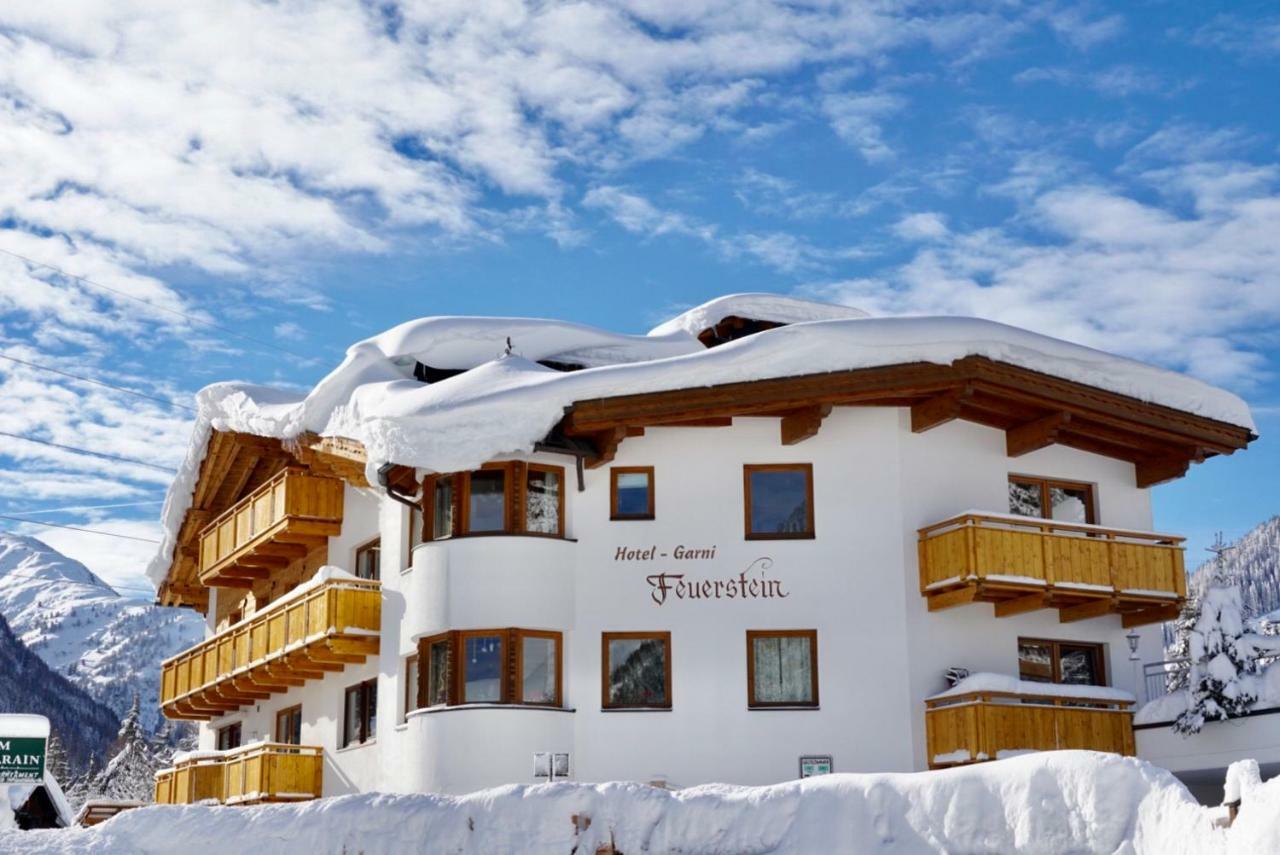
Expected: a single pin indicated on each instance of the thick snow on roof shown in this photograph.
(759, 307)
(1048, 803)
(507, 404)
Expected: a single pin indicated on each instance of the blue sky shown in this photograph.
(309, 174)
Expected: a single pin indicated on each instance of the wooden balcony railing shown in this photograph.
(253, 774)
(277, 523)
(316, 628)
(1026, 563)
(978, 726)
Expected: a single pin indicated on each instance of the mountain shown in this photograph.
(27, 685)
(108, 645)
(1253, 562)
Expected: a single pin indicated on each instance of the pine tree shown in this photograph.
(1221, 654)
(1180, 649)
(83, 786)
(130, 774)
(56, 762)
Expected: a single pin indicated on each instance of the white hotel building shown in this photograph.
(485, 550)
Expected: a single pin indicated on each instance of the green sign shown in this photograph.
(21, 759)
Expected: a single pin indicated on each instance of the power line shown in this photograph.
(113, 587)
(86, 451)
(78, 528)
(149, 304)
(83, 379)
(71, 508)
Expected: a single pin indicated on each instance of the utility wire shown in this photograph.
(71, 508)
(151, 305)
(86, 451)
(83, 379)
(78, 528)
(66, 581)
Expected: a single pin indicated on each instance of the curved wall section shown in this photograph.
(482, 582)
(467, 748)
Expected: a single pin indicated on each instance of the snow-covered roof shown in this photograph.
(24, 726)
(506, 403)
(775, 308)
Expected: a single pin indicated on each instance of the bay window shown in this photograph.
(499, 498)
(491, 666)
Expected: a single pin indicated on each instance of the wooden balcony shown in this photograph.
(253, 774)
(309, 632)
(1026, 563)
(279, 522)
(979, 726)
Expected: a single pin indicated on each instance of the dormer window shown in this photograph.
(499, 498)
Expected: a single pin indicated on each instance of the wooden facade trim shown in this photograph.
(1037, 408)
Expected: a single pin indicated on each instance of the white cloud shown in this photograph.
(1196, 291)
(924, 226)
(857, 118)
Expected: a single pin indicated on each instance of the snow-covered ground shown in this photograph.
(1058, 802)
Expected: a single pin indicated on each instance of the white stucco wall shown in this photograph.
(880, 651)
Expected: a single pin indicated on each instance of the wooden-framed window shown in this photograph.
(410, 685)
(289, 725)
(498, 498)
(491, 666)
(1042, 660)
(360, 713)
(635, 670)
(778, 500)
(229, 737)
(782, 668)
(1051, 499)
(368, 559)
(631, 493)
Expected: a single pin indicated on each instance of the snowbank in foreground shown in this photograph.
(1060, 802)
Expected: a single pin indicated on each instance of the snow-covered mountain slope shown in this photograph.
(27, 685)
(110, 646)
(1253, 562)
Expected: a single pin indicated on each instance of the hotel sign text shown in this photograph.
(751, 583)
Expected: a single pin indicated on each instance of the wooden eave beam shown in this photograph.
(1035, 435)
(1019, 605)
(938, 410)
(1087, 609)
(1159, 470)
(800, 425)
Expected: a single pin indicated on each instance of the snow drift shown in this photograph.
(1056, 802)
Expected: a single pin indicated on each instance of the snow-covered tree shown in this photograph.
(56, 761)
(130, 774)
(1180, 646)
(1221, 653)
(83, 786)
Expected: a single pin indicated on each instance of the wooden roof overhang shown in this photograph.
(234, 465)
(1034, 409)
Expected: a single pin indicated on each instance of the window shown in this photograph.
(410, 685)
(435, 689)
(289, 726)
(481, 667)
(782, 668)
(491, 666)
(779, 501)
(636, 670)
(631, 493)
(229, 737)
(360, 713)
(1044, 661)
(487, 501)
(539, 667)
(368, 558)
(1064, 501)
(543, 499)
(501, 498)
